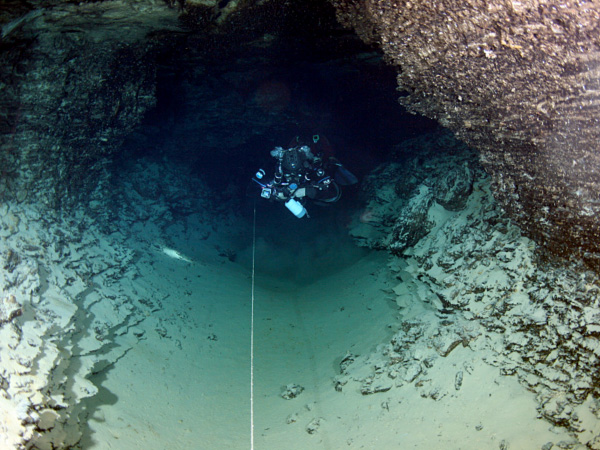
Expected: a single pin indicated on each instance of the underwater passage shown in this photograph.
(139, 328)
(299, 224)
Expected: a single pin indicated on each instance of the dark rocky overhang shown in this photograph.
(517, 81)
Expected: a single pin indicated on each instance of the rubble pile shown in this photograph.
(488, 288)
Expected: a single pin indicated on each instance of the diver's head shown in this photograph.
(291, 160)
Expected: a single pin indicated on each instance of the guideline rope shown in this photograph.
(252, 335)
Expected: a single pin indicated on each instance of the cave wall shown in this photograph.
(219, 78)
(77, 79)
(519, 82)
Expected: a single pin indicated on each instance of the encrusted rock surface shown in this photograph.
(77, 79)
(486, 288)
(291, 391)
(67, 308)
(519, 81)
(54, 294)
(398, 195)
(452, 189)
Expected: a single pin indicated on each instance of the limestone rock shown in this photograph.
(413, 223)
(515, 82)
(292, 391)
(9, 309)
(375, 384)
(453, 189)
(314, 425)
(400, 195)
(105, 87)
(533, 318)
(458, 380)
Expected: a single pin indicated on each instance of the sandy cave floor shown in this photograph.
(185, 385)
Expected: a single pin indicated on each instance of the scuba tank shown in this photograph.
(296, 208)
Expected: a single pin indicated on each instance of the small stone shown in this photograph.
(436, 394)
(373, 385)
(314, 425)
(162, 332)
(445, 343)
(572, 444)
(412, 372)
(292, 391)
(339, 383)
(138, 332)
(9, 309)
(346, 361)
(458, 379)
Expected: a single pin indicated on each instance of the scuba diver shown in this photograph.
(304, 171)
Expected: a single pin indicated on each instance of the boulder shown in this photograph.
(453, 189)
(413, 222)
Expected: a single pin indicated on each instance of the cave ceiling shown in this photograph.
(518, 81)
(190, 73)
